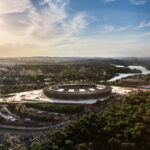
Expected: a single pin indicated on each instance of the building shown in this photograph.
(77, 91)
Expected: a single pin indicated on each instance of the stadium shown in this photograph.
(77, 92)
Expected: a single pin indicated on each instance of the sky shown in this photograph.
(70, 28)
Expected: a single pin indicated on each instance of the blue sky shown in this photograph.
(101, 28)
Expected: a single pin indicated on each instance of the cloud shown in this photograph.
(143, 24)
(14, 6)
(44, 24)
(48, 28)
(145, 34)
(103, 47)
(52, 21)
(138, 2)
(124, 28)
(133, 2)
(110, 28)
(75, 25)
(27, 27)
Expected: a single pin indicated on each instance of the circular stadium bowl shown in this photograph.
(77, 91)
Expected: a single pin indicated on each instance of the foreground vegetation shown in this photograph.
(51, 112)
(125, 126)
(66, 109)
(22, 88)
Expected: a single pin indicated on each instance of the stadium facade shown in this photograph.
(77, 91)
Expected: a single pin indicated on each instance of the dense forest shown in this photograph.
(124, 126)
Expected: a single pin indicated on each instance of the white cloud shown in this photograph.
(110, 28)
(138, 2)
(134, 2)
(75, 25)
(50, 22)
(123, 28)
(145, 34)
(26, 29)
(14, 6)
(143, 24)
(101, 47)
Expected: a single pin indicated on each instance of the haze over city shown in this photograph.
(102, 28)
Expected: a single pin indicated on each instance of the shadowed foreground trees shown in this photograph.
(120, 127)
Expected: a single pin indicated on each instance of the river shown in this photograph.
(143, 70)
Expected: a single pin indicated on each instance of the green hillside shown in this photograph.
(124, 126)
